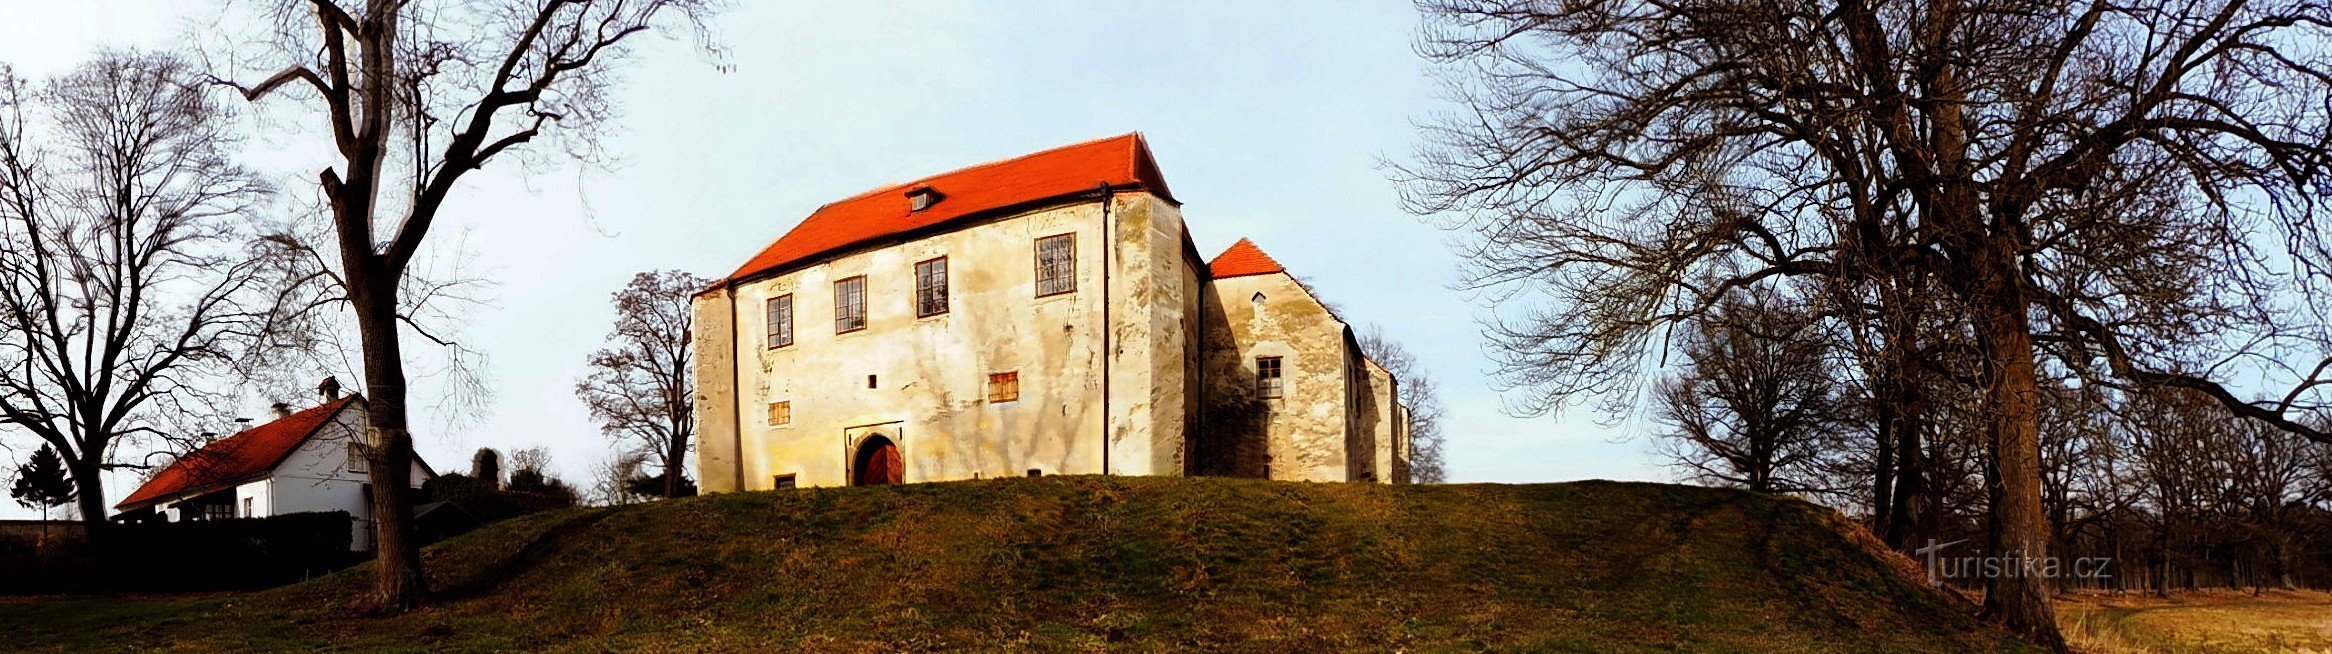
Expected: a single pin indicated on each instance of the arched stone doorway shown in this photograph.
(877, 462)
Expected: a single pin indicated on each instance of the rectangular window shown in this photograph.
(931, 287)
(781, 413)
(850, 305)
(1267, 377)
(1056, 265)
(781, 320)
(782, 482)
(1004, 386)
(247, 508)
(358, 458)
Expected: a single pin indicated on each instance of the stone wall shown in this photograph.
(1303, 435)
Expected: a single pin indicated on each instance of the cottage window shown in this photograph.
(781, 320)
(931, 287)
(1268, 382)
(247, 509)
(782, 482)
(1004, 386)
(781, 413)
(1056, 265)
(850, 305)
(358, 459)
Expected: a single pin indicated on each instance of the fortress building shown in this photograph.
(1046, 314)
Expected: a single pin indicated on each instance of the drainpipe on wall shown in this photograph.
(1108, 260)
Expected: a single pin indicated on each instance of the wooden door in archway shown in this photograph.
(877, 462)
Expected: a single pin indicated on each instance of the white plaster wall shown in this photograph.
(316, 477)
(257, 494)
(931, 372)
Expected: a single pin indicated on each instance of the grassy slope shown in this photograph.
(1070, 563)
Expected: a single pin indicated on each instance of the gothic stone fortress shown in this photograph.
(1046, 314)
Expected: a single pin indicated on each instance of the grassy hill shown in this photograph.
(1121, 564)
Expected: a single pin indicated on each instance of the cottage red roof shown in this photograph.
(231, 459)
(1121, 162)
(1243, 259)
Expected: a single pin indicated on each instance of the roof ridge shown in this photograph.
(1120, 161)
(1133, 149)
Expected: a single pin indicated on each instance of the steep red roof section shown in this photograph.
(228, 460)
(1243, 259)
(1122, 162)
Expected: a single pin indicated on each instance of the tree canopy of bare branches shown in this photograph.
(134, 279)
(642, 388)
(1756, 406)
(2127, 191)
(413, 95)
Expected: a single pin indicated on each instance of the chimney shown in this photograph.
(282, 410)
(330, 389)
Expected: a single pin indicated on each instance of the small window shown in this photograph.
(1056, 265)
(247, 509)
(358, 459)
(782, 482)
(1036, 472)
(870, 381)
(1267, 377)
(850, 305)
(931, 287)
(1004, 386)
(922, 198)
(781, 413)
(781, 320)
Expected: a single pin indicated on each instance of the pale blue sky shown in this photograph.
(1268, 119)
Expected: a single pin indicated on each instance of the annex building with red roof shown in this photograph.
(307, 461)
(1043, 314)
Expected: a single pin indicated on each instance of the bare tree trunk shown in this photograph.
(672, 467)
(2019, 597)
(396, 553)
(89, 489)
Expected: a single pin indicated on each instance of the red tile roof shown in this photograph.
(231, 459)
(1243, 259)
(1122, 162)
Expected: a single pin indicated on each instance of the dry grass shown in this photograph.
(1074, 564)
(2199, 623)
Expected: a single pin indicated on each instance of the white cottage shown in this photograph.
(306, 461)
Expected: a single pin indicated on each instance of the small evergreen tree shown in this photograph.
(41, 483)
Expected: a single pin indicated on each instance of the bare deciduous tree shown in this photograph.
(642, 390)
(1755, 405)
(2092, 182)
(415, 95)
(132, 270)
